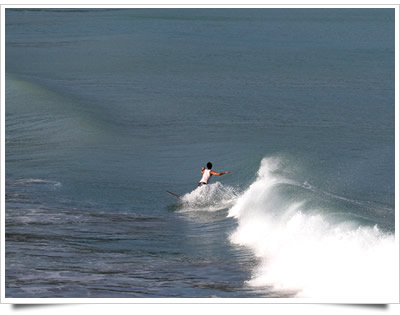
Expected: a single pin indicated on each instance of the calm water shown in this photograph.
(107, 109)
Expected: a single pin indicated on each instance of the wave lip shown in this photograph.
(305, 253)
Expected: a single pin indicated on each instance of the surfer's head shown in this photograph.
(209, 165)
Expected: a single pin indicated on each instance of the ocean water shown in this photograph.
(107, 109)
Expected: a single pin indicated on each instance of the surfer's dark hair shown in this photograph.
(209, 165)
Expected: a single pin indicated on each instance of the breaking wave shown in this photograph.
(304, 250)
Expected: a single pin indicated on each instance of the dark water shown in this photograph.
(107, 109)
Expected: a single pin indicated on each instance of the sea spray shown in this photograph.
(212, 197)
(302, 251)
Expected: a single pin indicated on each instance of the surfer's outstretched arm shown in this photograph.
(219, 173)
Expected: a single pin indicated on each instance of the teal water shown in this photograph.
(107, 109)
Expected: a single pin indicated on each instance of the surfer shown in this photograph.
(207, 173)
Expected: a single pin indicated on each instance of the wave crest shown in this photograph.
(304, 251)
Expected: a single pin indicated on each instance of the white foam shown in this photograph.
(212, 197)
(304, 252)
(30, 181)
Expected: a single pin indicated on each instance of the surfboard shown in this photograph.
(175, 195)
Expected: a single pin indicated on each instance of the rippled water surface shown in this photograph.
(108, 109)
